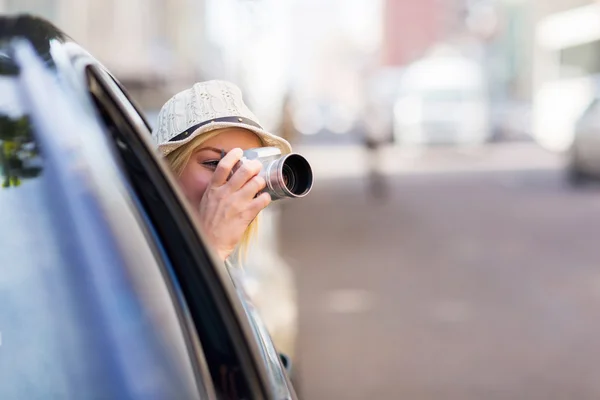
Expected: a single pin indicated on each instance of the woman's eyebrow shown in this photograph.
(220, 151)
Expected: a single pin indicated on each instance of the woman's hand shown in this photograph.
(229, 206)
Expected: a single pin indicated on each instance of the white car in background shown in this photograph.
(442, 100)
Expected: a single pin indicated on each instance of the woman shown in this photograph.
(202, 132)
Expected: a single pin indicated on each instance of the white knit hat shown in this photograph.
(204, 107)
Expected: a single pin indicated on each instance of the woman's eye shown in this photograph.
(210, 164)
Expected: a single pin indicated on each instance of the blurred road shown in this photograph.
(478, 278)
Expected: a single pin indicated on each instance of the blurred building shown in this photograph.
(551, 18)
(152, 46)
(515, 42)
(546, 7)
(412, 27)
(496, 31)
(566, 68)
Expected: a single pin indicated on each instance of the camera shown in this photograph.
(288, 176)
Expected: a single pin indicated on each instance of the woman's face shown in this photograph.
(197, 173)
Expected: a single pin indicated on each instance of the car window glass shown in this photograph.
(269, 353)
(64, 333)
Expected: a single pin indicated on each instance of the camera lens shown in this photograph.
(288, 178)
(297, 175)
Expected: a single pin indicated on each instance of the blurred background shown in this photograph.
(449, 247)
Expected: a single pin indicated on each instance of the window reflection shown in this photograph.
(19, 153)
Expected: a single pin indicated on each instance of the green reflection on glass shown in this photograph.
(19, 153)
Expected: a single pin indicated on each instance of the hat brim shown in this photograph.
(268, 139)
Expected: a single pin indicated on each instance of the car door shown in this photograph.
(236, 357)
(86, 311)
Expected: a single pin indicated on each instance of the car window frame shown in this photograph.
(131, 116)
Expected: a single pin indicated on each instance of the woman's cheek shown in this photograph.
(194, 184)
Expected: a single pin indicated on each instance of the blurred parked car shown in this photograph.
(584, 153)
(108, 289)
(442, 100)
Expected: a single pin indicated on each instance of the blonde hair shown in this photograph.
(179, 158)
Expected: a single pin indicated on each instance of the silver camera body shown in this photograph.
(288, 176)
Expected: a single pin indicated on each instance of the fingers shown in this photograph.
(246, 171)
(258, 204)
(225, 166)
(252, 187)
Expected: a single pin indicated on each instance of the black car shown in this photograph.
(107, 288)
